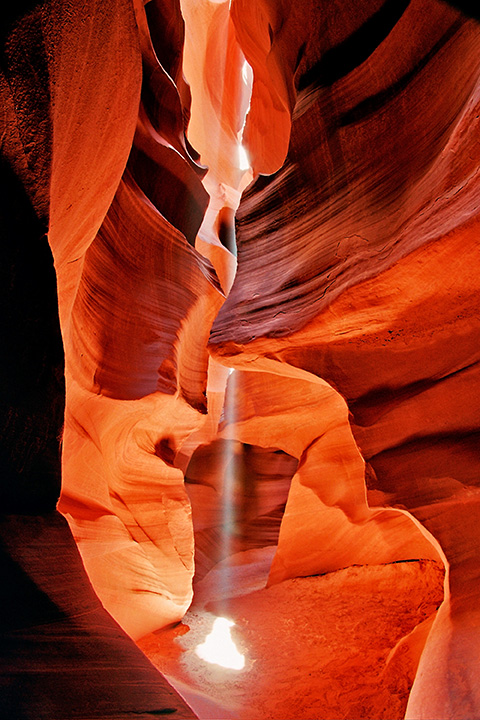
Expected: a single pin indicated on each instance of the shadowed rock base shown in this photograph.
(62, 656)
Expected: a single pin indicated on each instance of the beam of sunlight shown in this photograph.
(219, 648)
(243, 161)
(228, 489)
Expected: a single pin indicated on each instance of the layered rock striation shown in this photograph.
(135, 339)
(352, 322)
(370, 227)
(101, 207)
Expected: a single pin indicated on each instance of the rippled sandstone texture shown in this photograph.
(87, 157)
(352, 322)
(135, 335)
(371, 230)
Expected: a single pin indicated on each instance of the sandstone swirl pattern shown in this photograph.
(357, 264)
(352, 323)
(70, 83)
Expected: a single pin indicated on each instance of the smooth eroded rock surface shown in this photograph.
(370, 228)
(337, 147)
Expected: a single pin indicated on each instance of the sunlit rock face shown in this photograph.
(352, 323)
(70, 82)
(371, 227)
(135, 338)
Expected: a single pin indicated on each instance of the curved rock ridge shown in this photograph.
(70, 82)
(267, 128)
(127, 336)
(327, 523)
(214, 64)
(372, 172)
(371, 232)
(137, 332)
(220, 80)
(137, 335)
(130, 514)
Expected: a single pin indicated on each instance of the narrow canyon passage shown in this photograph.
(240, 310)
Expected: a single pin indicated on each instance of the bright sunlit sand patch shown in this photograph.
(219, 648)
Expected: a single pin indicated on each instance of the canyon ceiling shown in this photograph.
(318, 233)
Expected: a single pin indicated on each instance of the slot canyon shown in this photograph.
(240, 360)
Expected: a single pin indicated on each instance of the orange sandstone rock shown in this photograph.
(370, 229)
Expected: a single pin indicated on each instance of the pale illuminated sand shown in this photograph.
(315, 648)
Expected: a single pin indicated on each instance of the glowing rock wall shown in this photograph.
(70, 82)
(352, 321)
(135, 340)
(371, 228)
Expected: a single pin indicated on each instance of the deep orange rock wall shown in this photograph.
(370, 227)
(135, 340)
(70, 83)
(352, 323)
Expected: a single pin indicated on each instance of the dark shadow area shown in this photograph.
(62, 657)
(32, 385)
(470, 8)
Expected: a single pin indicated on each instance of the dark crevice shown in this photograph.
(373, 104)
(340, 60)
(371, 403)
(471, 8)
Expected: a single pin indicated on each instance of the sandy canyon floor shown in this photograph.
(316, 648)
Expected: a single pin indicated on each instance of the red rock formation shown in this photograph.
(70, 84)
(62, 655)
(327, 523)
(370, 228)
(352, 322)
(135, 343)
